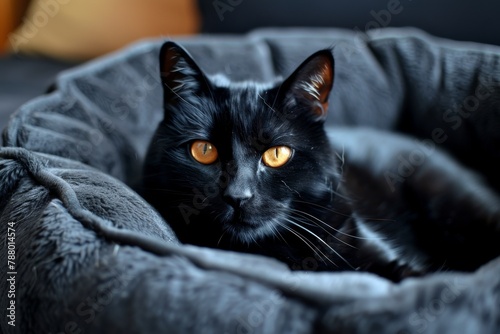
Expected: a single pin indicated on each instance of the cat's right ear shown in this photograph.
(181, 77)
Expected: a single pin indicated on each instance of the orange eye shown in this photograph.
(277, 156)
(204, 152)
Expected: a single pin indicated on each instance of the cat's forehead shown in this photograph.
(249, 114)
(252, 107)
(240, 102)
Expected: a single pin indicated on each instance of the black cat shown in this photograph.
(250, 167)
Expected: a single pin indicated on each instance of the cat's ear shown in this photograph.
(181, 77)
(311, 83)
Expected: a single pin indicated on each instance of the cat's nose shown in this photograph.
(237, 197)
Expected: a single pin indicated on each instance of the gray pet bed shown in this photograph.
(93, 257)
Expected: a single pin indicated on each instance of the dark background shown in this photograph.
(456, 19)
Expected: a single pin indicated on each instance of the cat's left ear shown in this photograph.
(311, 83)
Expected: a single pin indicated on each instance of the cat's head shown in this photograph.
(239, 160)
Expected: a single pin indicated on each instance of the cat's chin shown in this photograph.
(247, 226)
(250, 230)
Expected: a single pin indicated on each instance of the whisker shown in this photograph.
(330, 234)
(322, 241)
(222, 235)
(272, 109)
(338, 194)
(276, 97)
(267, 105)
(341, 213)
(309, 216)
(277, 233)
(254, 240)
(309, 244)
(288, 187)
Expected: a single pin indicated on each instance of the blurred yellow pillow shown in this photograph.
(83, 29)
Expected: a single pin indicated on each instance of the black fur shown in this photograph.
(342, 202)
